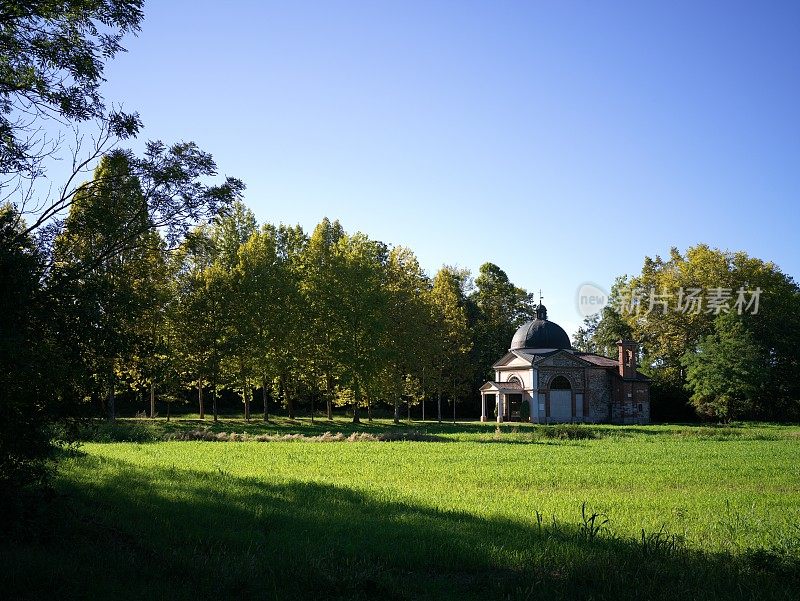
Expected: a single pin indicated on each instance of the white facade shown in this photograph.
(559, 398)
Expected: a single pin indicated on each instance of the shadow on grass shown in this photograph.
(120, 531)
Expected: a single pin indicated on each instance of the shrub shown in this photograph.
(569, 432)
(525, 411)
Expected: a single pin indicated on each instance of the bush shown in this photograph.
(525, 411)
(569, 432)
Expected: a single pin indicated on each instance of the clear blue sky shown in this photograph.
(562, 140)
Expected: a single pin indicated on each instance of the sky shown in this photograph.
(562, 140)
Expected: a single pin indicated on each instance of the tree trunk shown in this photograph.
(454, 401)
(214, 402)
(152, 400)
(287, 397)
(397, 409)
(200, 400)
(439, 406)
(264, 394)
(112, 403)
(169, 406)
(312, 408)
(329, 396)
(357, 393)
(423, 394)
(369, 408)
(245, 395)
(408, 406)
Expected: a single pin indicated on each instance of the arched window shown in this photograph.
(514, 380)
(560, 383)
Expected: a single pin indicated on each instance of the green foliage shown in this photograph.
(451, 369)
(109, 272)
(525, 410)
(25, 361)
(500, 308)
(87, 297)
(726, 373)
(601, 335)
(583, 339)
(54, 55)
(666, 336)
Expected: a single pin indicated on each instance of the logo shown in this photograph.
(590, 299)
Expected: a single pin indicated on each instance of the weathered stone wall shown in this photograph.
(641, 396)
(598, 394)
(573, 374)
(631, 402)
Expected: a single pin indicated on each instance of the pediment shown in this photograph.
(512, 359)
(562, 359)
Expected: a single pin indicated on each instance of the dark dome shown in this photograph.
(540, 333)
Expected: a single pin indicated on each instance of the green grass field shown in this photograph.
(468, 513)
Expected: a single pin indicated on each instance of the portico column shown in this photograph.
(483, 406)
(500, 407)
(535, 397)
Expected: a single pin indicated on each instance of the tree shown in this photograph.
(670, 308)
(407, 345)
(53, 59)
(150, 361)
(319, 264)
(112, 296)
(362, 317)
(450, 334)
(228, 234)
(198, 315)
(343, 286)
(28, 360)
(268, 277)
(55, 56)
(727, 372)
(502, 308)
(583, 339)
(602, 334)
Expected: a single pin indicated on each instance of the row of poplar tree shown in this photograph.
(269, 312)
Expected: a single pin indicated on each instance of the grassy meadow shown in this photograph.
(461, 511)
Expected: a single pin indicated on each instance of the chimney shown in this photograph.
(627, 359)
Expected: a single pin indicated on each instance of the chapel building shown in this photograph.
(560, 384)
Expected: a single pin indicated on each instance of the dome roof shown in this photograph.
(540, 333)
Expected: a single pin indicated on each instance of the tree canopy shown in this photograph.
(677, 307)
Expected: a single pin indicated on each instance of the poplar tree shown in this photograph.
(451, 335)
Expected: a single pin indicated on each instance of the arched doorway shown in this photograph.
(560, 400)
(514, 401)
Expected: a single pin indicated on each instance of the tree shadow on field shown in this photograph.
(129, 532)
